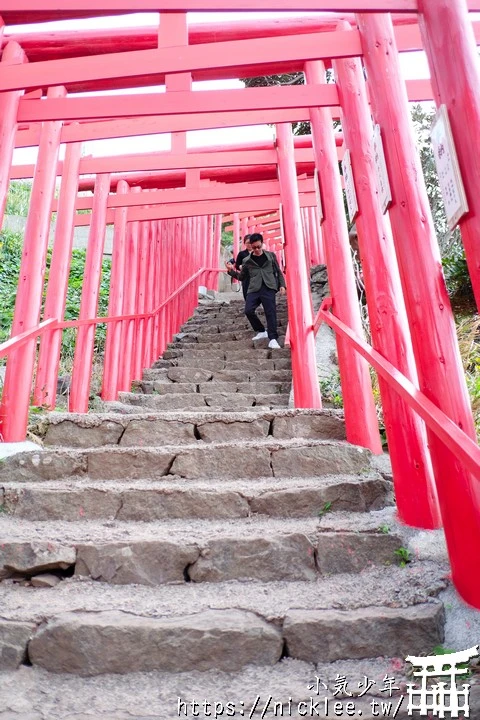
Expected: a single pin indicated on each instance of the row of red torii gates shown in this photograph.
(167, 210)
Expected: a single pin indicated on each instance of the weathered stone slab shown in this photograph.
(14, 637)
(44, 465)
(218, 337)
(285, 557)
(98, 643)
(71, 434)
(46, 580)
(239, 430)
(185, 363)
(329, 635)
(273, 400)
(227, 376)
(38, 503)
(133, 464)
(31, 558)
(319, 427)
(214, 386)
(174, 388)
(229, 400)
(142, 563)
(180, 401)
(327, 459)
(230, 462)
(155, 432)
(353, 496)
(150, 375)
(201, 352)
(256, 374)
(160, 364)
(263, 388)
(162, 504)
(195, 375)
(249, 366)
(343, 552)
(244, 354)
(282, 364)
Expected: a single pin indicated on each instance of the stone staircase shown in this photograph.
(200, 540)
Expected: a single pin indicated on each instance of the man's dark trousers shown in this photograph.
(266, 297)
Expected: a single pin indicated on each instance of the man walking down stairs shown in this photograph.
(200, 542)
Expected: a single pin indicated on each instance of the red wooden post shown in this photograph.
(244, 227)
(321, 247)
(156, 289)
(428, 307)
(50, 344)
(83, 357)
(300, 314)
(12, 55)
(316, 237)
(236, 234)
(359, 406)
(149, 303)
(217, 246)
(113, 348)
(128, 328)
(456, 83)
(19, 373)
(140, 303)
(415, 491)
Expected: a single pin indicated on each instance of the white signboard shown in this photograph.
(448, 170)
(381, 168)
(316, 182)
(349, 186)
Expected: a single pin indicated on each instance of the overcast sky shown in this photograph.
(414, 65)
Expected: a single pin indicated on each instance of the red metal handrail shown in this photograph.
(460, 444)
(15, 342)
(52, 324)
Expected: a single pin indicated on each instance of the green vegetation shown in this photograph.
(325, 509)
(404, 556)
(10, 258)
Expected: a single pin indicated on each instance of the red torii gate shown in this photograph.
(163, 249)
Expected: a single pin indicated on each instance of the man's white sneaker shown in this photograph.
(274, 344)
(261, 335)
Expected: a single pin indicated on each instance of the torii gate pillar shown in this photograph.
(456, 83)
(306, 387)
(429, 312)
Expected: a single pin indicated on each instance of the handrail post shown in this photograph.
(428, 306)
(83, 356)
(306, 386)
(113, 348)
(18, 377)
(415, 491)
(13, 54)
(50, 345)
(456, 83)
(360, 414)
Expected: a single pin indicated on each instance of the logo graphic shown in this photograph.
(441, 697)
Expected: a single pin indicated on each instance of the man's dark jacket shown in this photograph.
(257, 275)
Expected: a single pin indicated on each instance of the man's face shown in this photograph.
(257, 247)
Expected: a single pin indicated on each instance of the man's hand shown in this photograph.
(282, 291)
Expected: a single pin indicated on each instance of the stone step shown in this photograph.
(91, 629)
(275, 371)
(162, 499)
(153, 429)
(149, 387)
(144, 696)
(233, 401)
(227, 460)
(172, 551)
